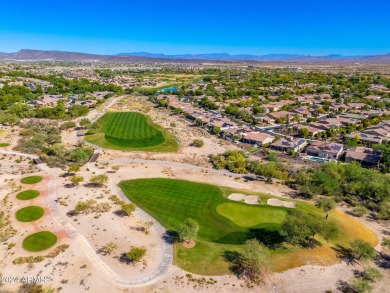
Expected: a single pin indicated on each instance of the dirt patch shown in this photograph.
(248, 199)
(280, 203)
(189, 244)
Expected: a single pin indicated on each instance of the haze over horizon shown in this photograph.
(302, 27)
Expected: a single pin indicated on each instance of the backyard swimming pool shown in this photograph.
(316, 159)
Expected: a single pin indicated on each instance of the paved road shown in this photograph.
(90, 252)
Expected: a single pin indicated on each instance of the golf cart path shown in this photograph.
(86, 247)
(90, 252)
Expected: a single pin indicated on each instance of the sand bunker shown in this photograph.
(280, 203)
(249, 199)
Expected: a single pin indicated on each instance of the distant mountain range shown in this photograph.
(226, 56)
(217, 58)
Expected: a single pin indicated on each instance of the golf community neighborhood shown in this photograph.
(189, 147)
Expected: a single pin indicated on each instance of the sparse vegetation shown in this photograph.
(136, 254)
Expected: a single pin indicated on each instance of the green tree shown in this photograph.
(360, 211)
(326, 204)
(74, 169)
(99, 180)
(109, 248)
(76, 180)
(78, 155)
(128, 208)
(386, 242)
(136, 254)
(85, 123)
(362, 250)
(255, 259)
(198, 143)
(360, 285)
(188, 230)
(372, 274)
(216, 130)
(304, 132)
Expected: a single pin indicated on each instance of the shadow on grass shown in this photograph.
(237, 238)
(234, 259)
(270, 238)
(345, 254)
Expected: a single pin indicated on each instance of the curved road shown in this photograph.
(87, 248)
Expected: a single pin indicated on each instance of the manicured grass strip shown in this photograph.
(31, 179)
(27, 194)
(29, 214)
(39, 241)
(131, 131)
(4, 144)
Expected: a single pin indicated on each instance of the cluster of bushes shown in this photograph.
(45, 139)
(36, 259)
(28, 259)
(350, 182)
(234, 161)
(91, 206)
(57, 250)
(237, 162)
(6, 229)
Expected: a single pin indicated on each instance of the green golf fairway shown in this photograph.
(224, 224)
(29, 214)
(27, 194)
(39, 241)
(131, 131)
(31, 179)
(218, 218)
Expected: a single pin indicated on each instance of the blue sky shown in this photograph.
(172, 27)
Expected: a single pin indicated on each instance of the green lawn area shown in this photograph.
(27, 194)
(31, 179)
(4, 144)
(130, 131)
(39, 241)
(225, 225)
(29, 214)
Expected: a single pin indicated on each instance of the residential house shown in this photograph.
(302, 111)
(312, 130)
(366, 156)
(325, 150)
(257, 138)
(286, 145)
(281, 114)
(366, 138)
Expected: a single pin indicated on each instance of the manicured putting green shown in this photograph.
(131, 131)
(29, 214)
(248, 216)
(31, 179)
(39, 241)
(27, 194)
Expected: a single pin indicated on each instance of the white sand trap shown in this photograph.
(249, 199)
(280, 203)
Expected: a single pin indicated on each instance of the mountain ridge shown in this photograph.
(217, 58)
